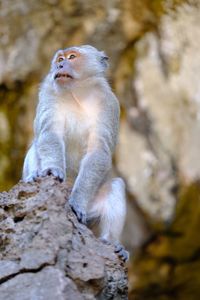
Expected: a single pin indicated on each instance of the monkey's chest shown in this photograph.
(77, 129)
(78, 123)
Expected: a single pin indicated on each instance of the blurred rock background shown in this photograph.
(155, 71)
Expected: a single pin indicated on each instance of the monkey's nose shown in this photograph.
(60, 66)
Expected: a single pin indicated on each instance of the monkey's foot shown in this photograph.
(119, 249)
(122, 253)
(56, 172)
(81, 215)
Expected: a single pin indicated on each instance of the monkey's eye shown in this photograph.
(71, 56)
(60, 59)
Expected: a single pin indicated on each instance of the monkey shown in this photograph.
(75, 134)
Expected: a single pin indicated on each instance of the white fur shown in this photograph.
(76, 128)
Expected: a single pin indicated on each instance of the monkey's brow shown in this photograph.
(70, 49)
(60, 52)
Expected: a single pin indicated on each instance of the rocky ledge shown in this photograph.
(45, 253)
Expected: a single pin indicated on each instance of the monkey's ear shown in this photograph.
(104, 59)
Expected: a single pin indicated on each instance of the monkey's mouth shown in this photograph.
(62, 75)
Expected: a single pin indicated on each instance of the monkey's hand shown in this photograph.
(56, 172)
(78, 210)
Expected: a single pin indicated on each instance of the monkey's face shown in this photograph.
(74, 64)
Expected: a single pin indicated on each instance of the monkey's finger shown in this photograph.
(58, 174)
(124, 255)
(45, 173)
(61, 176)
(32, 177)
(81, 216)
(118, 248)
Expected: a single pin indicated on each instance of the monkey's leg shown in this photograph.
(31, 165)
(110, 207)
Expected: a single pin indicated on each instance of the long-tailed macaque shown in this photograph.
(76, 129)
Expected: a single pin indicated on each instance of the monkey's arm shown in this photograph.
(51, 154)
(50, 144)
(94, 167)
(97, 162)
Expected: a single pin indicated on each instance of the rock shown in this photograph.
(50, 283)
(47, 254)
(160, 135)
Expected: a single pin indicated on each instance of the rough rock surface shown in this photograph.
(45, 253)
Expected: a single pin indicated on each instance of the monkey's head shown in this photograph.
(74, 64)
